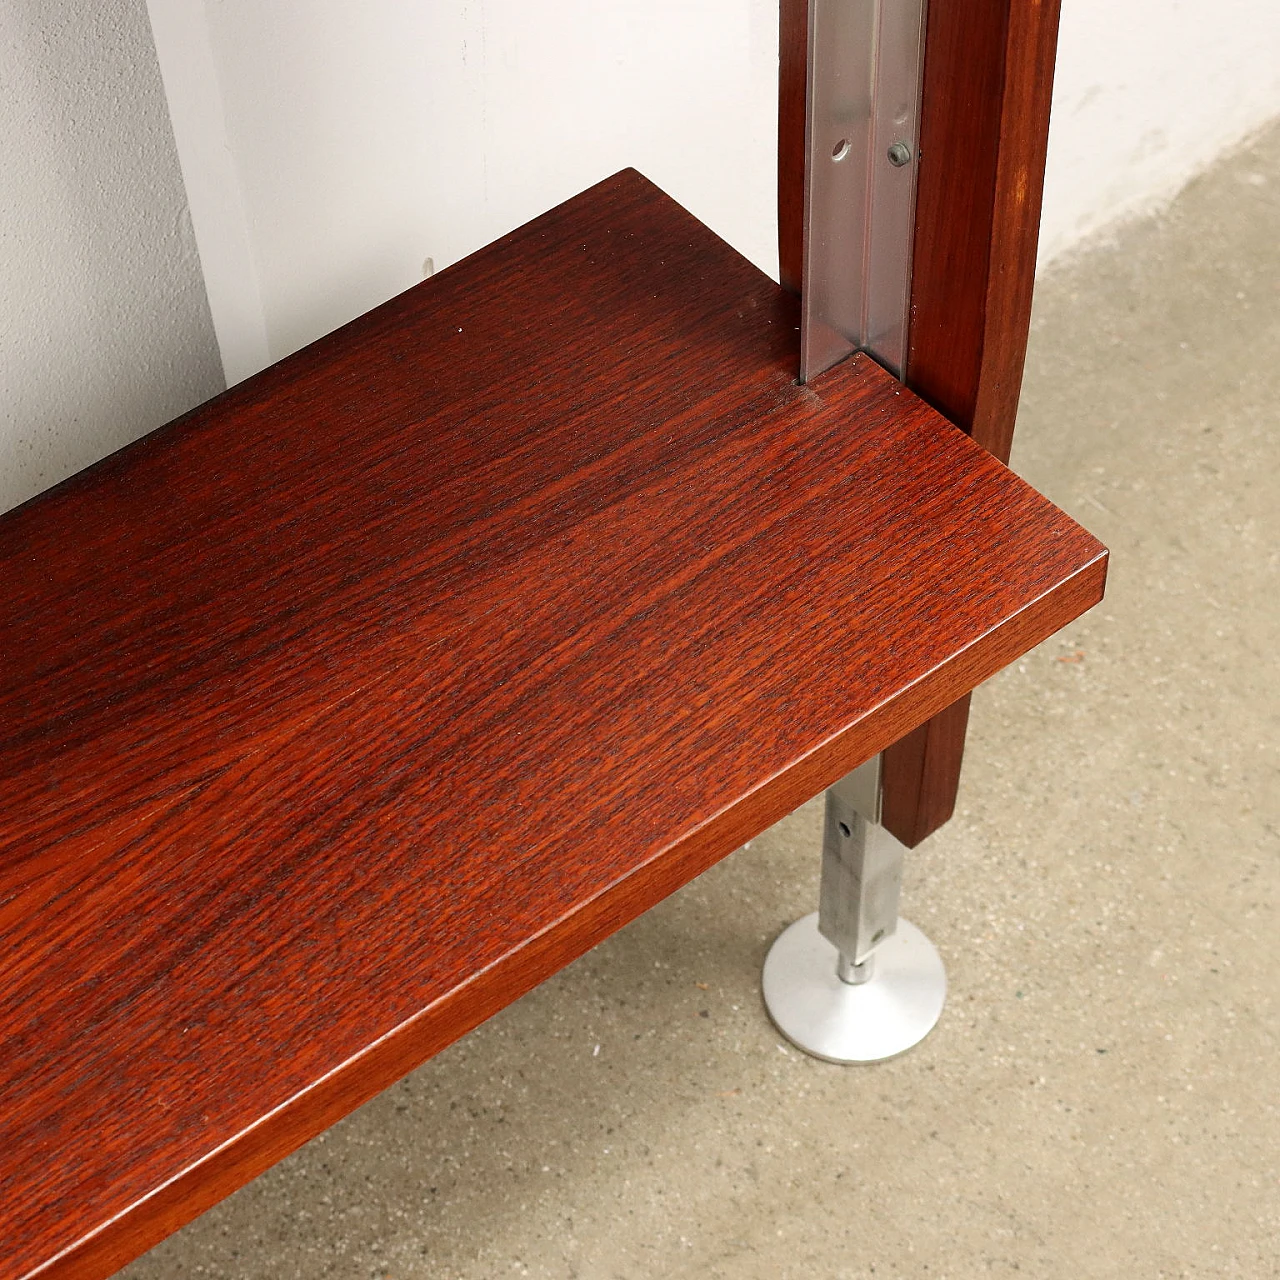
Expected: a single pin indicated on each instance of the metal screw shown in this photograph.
(899, 154)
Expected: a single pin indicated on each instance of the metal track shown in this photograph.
(862, 120)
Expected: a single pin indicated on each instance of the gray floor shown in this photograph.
(1100, 1098)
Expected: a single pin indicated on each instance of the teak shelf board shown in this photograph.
(341, 712)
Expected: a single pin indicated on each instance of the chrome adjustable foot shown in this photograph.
(852, 982)
(894, 1008)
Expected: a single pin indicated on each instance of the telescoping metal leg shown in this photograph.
(853, 982)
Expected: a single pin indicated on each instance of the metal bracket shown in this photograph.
(862, 120)
(852, 982)
(861, 869)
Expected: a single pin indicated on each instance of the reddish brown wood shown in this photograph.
(988, 80)
(793, 43)
(342, 711)
(920, 774)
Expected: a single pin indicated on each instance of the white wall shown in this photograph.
(1147, 94)
(104, 328)
(330, 148)
(367, 138)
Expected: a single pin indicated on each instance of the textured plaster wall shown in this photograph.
(1148, 93)
(368, 138)
(104, 328)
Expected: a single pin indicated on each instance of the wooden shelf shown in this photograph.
(342, 711)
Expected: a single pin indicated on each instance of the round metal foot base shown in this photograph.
(830, 1019)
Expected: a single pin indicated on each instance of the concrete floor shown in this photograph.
(1100, 1098)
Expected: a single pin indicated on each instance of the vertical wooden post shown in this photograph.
(988, 81)
(793, 50)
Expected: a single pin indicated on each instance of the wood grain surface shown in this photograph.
(984, 128)
(793, 52)
(988, 80)
(342, 711)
